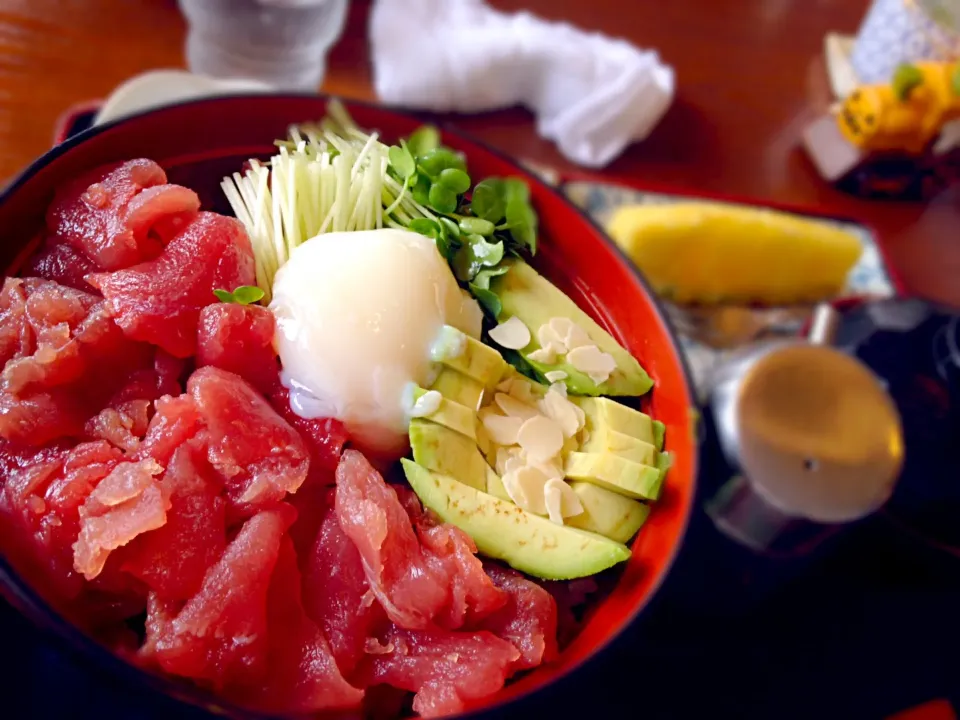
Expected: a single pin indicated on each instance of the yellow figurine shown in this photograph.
(905, 114)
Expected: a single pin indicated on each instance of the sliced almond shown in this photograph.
(540, 437)
(561, 327)
(581, 417)
(555, 376)
(514, 408)
(576, 337)
(516, 460)
(559, 387)
(589, 360)
(508, 459)
(522, 390)
(512, 334)
(550, 337)
(532, 482)
(546, 355)
(505, 385)
(553, 500)
(556, 407)
(560, 501)
(427, 404)
(511, 484)
(551, 469)
(500, 429)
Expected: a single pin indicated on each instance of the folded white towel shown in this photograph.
(593, 95)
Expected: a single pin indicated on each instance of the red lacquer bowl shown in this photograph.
(199, 142)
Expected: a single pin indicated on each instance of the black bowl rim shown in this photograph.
(78, 642)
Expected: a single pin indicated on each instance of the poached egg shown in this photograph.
(357, 315)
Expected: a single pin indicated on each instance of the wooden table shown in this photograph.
(749, 73)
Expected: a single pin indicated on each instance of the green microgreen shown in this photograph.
(243, 295)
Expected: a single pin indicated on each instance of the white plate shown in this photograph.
(166, 87)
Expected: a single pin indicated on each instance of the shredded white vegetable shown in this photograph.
(330, 177)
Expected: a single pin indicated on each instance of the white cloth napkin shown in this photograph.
(593, 95)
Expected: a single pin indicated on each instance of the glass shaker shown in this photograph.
(283, 43)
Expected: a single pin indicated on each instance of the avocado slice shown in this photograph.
(451, 415)
(495, 487)
(459, 388)
(616, 474)
(526, 542)
(606, 413)
(607, 513)
(605, 440)
(659, 431)
(477, 361)
(525, 294)
(446, 451)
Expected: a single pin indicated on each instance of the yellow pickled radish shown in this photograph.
(697, 252)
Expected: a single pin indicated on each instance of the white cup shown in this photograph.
(283, 43)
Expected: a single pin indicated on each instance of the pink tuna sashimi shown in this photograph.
(239, 339)
(446, 669)
(108, 214)
(122, 426)
(409, 588)
(326, 438)
(173, 560)
(61, 263)
(260, 457)
(34, 536)
(302, 676)
(64, 357)
(528, 621)
(473, 595)
(159, 301)
(336, 594)
(177, 419)
(126, 503)
(125, 420)
(220, 634)
(61, 323)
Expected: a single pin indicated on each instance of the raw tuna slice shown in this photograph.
(159, 301)
(16, 334)
(473, 595)
(336, 594)
(325, 437)
(445, 669)
(302, 676)
(152, 383)
(177, 419)
(126, 503)
(60, 322)
(239, 338)
(122, 426)
(528, 621)
(125, 420)
(25, 537)
(64, 357)
(220, 633)
(260, 457)
(173, 559)
(61, 263)
(410, 589)
(109, 213)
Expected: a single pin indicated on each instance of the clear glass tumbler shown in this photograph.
(280, 42)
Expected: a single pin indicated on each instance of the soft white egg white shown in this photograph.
(357, 314)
